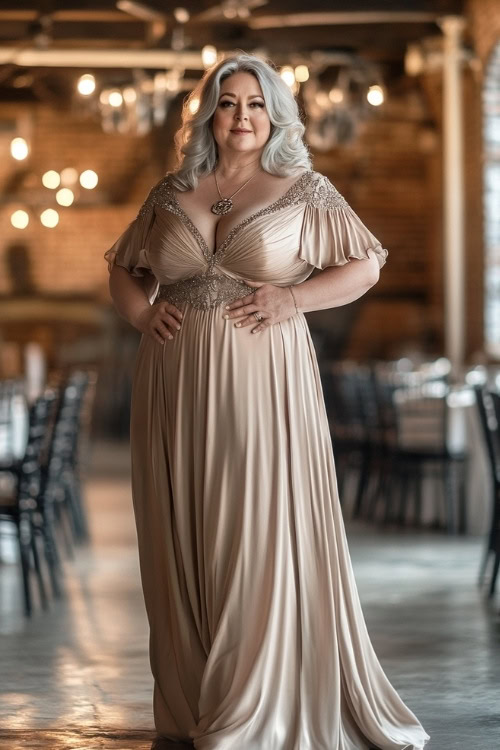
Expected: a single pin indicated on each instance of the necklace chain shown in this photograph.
(224, 205)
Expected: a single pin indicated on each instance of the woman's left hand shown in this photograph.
(274, 303)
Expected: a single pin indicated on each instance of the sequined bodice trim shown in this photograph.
(204, 291)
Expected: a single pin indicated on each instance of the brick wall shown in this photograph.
(68, 258)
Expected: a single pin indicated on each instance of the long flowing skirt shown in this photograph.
(257, 637)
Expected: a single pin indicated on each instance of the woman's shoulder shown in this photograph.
(318, 191)
(159, 194)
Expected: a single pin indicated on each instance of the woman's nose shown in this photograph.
(241, 113)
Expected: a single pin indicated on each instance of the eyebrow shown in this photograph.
(253, 96)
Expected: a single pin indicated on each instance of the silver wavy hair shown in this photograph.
(285, 152)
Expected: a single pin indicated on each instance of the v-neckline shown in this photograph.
(211, 256)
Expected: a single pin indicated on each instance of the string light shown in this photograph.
(49, 218)
(88, 179)
(181, 15)
(19, 148)
(288, 75)
(336, 95)
(375, 95)
(20, 219)
(194, 105)
(115, 98)
(69, 176)
(65, 197)
(301, 73)
(208, 55)
(51, 179)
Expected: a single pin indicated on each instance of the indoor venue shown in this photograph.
(400, 101)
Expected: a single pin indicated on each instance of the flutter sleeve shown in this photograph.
(131, 248)
(332, 233)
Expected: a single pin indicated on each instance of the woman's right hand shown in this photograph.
(161, 321)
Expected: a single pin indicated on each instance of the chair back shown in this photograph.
(488, 406)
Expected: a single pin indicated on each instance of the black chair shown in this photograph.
(421, 410)
(349, 424)
(62, 472)
(21, 506)
(488, 404)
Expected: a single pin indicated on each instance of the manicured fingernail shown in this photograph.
(227, 307)
(226, 316)
(178, 328)
(237, 325)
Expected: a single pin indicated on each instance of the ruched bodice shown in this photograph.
(310, 225)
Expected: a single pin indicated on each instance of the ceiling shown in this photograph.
(285, 30)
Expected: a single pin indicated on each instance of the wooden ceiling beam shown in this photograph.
(105, 58)
(74, 16)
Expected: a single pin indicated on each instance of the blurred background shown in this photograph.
(401, 102)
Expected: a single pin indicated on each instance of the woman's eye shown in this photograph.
(227, 103)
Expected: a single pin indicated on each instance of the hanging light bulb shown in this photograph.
(69, 176)
(51, 179)
(181, 15)
(86, 84)
(20, 219)
(208, 55)
(49, 218)
(336, 95)
(19, 148)
(129, 95)
(115, 98)
(375, 95)
(65, 197)
(88, 179)
(194, 105)
(288, 75)
(301, 73)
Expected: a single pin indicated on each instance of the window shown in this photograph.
(491, 211)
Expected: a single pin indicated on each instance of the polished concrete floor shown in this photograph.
(78, 676)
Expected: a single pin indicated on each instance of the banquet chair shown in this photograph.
(21, 506)
(62, 472)
(414, 427)
(350, 408)
(488, 405)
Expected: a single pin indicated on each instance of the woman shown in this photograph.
(257, 638)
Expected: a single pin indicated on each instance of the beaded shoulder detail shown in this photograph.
(160, 194)
(319, 192)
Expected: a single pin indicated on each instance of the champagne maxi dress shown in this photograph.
(257, 637)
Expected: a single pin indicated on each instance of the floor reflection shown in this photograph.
(78, 675)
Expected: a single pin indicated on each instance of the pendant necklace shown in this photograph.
(225, 205)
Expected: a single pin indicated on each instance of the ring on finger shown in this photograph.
(258, 316)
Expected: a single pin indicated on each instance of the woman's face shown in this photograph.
(241, 123)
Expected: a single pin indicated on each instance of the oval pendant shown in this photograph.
(223, 206)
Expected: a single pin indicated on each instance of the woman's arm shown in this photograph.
(130, 296)
(337, 285)
(332, 287)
